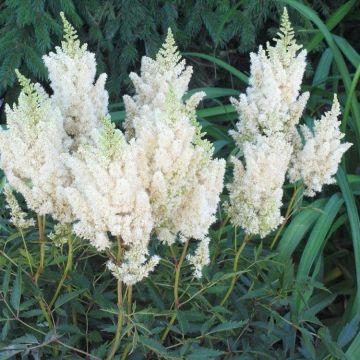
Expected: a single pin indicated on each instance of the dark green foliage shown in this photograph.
(300, 300)
(120, 32)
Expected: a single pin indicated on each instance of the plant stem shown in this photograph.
(68, 267)
(129, 305)
(176, 288)
(117, 338)
(126, 352)
(45, 313)
(235, 268)
(177, 273)
(26, 251)
(166, 332)
(220, 232)
(41, 225)
(129, 299)
(287, 216)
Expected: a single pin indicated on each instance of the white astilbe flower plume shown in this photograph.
(272, 102)
(200, 258)
(30, 152)
(268, 138)
(72, 71)
(182, 179)
(135, 265)
(17, 216)
(108, 197)
(256, 192)
(317, 161)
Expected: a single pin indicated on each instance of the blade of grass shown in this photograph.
(315, 244)
(298, 227)
(323, 68)
(216, 111)
(354, 350)
(334, 19)
(349, 98)
(240, 75)
(350, 53)
(355, 228)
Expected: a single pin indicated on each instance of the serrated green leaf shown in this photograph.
(65, 298)
(153, 345)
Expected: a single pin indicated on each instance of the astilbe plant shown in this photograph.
(157, 185)
(63, 154)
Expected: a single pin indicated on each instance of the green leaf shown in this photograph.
(240, 75)
(323, 67)
(350, 53)
(318, 235)
(153, 345)
(65, 298)
(354, 349)
(348, 332)
(216, 111)
(226, 326)
(330, 345)
(334, 19)
(315, 245)
(353, 216)
(26, 339)
(183, 322)
(203, 353)
(6, 279)
(16, 291)
(298, 227)
(10, 351)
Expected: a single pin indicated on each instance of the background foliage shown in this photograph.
(297, 300)
(120, 32)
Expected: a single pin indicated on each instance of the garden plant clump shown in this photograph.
(156, 239)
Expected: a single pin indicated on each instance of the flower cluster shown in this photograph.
(72, 72)
(256, 192)
(272, 103)
(17, 216)
(267, 137)
(180, 176)
(31, 151)
(67, 159)
(317, 160)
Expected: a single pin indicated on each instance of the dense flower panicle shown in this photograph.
(17, 216)
(317, 161)
(256, 192)
(107, 194)
(134, 267)
(267, 136)
(182, 179)
(31, 150)
(81, 100)
(162, 82)
(272, 102)
(107, 197)
(200, 258)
